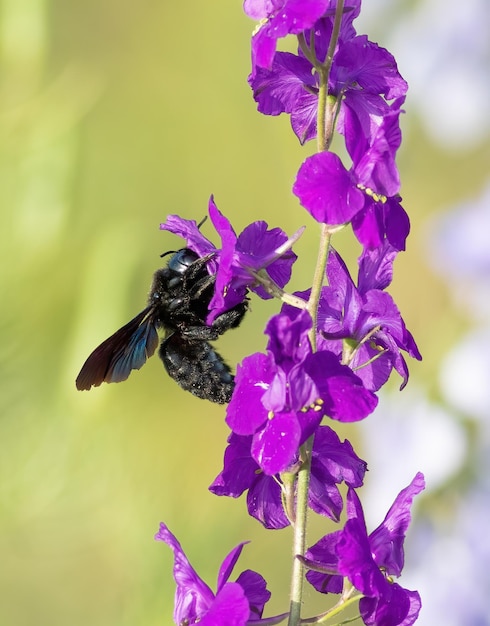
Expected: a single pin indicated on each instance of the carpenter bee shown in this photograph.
(178, 303)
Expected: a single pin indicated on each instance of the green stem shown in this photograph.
(318, 278)
(325, 128)
(321, 124)
(299, 541)
(325, 122)
(339, 11)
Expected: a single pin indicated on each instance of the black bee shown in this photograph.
(178, 302)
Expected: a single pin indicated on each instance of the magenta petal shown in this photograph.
(356, 562)
(228, 565)
(264, 503)
(324, 554)
(239, 469)
(255, 587)
(344, 397)
(400, 608)
(327, 190)
(263, 49)
(230, 608)
(387, 540)
(192, 596)
(188, 230)
(246, 413)
(275, 446)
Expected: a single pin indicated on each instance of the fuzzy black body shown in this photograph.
(178, 303)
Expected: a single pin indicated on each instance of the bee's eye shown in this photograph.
(182, 260)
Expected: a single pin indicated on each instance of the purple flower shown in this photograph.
(362, 78)
(366, 193)
(241, 473)
(381, 220)
(234, 604)
(363, 323)
(256, 248)
(333, 462)
(280, 397)
(370, 561)
(280, 18)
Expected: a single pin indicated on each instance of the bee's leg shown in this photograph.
(226, 321)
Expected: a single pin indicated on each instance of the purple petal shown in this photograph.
(228, 564)
(275, 399)
(288, 337)
(335, 461)
(399, 608)
(276, 445)
(287, 16)
(230, 608)
(354, 508)
(344, 396)
(360, 117)
(257, 248)
(364, 63)
(396, 222)
(224, 298)
(303, 117)
(257, 9)
(356, 562)
(303, 391)
(372, 366)
(324, 498)
(327, 190)
(239, 469)
(380, 221)
(375, 167)
(376, 268)
(246, 413)
(323, 554)
(255, 588)
(264, 503)
(188, 230)
(192, 596)
(387, 540)
(278, 89)
(368, 224)
(263, 50)
(341, 293)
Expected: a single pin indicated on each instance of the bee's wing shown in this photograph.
(127, 349)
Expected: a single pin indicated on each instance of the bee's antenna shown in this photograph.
(168, 252)
(202, 221)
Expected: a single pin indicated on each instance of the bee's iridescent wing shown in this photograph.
(127, 349)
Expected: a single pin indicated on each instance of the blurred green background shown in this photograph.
(113, 115)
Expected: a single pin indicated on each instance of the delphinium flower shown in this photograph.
(281, 397)
(363, 78)
(369, 561)
(362, 325)
(256, 248)
(284, 17)
(234, 603)
(332, 463)
(366, 194)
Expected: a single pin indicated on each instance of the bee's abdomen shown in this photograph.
(198, 368)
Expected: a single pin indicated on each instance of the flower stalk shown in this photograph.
(331, 347)
(299, 534)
